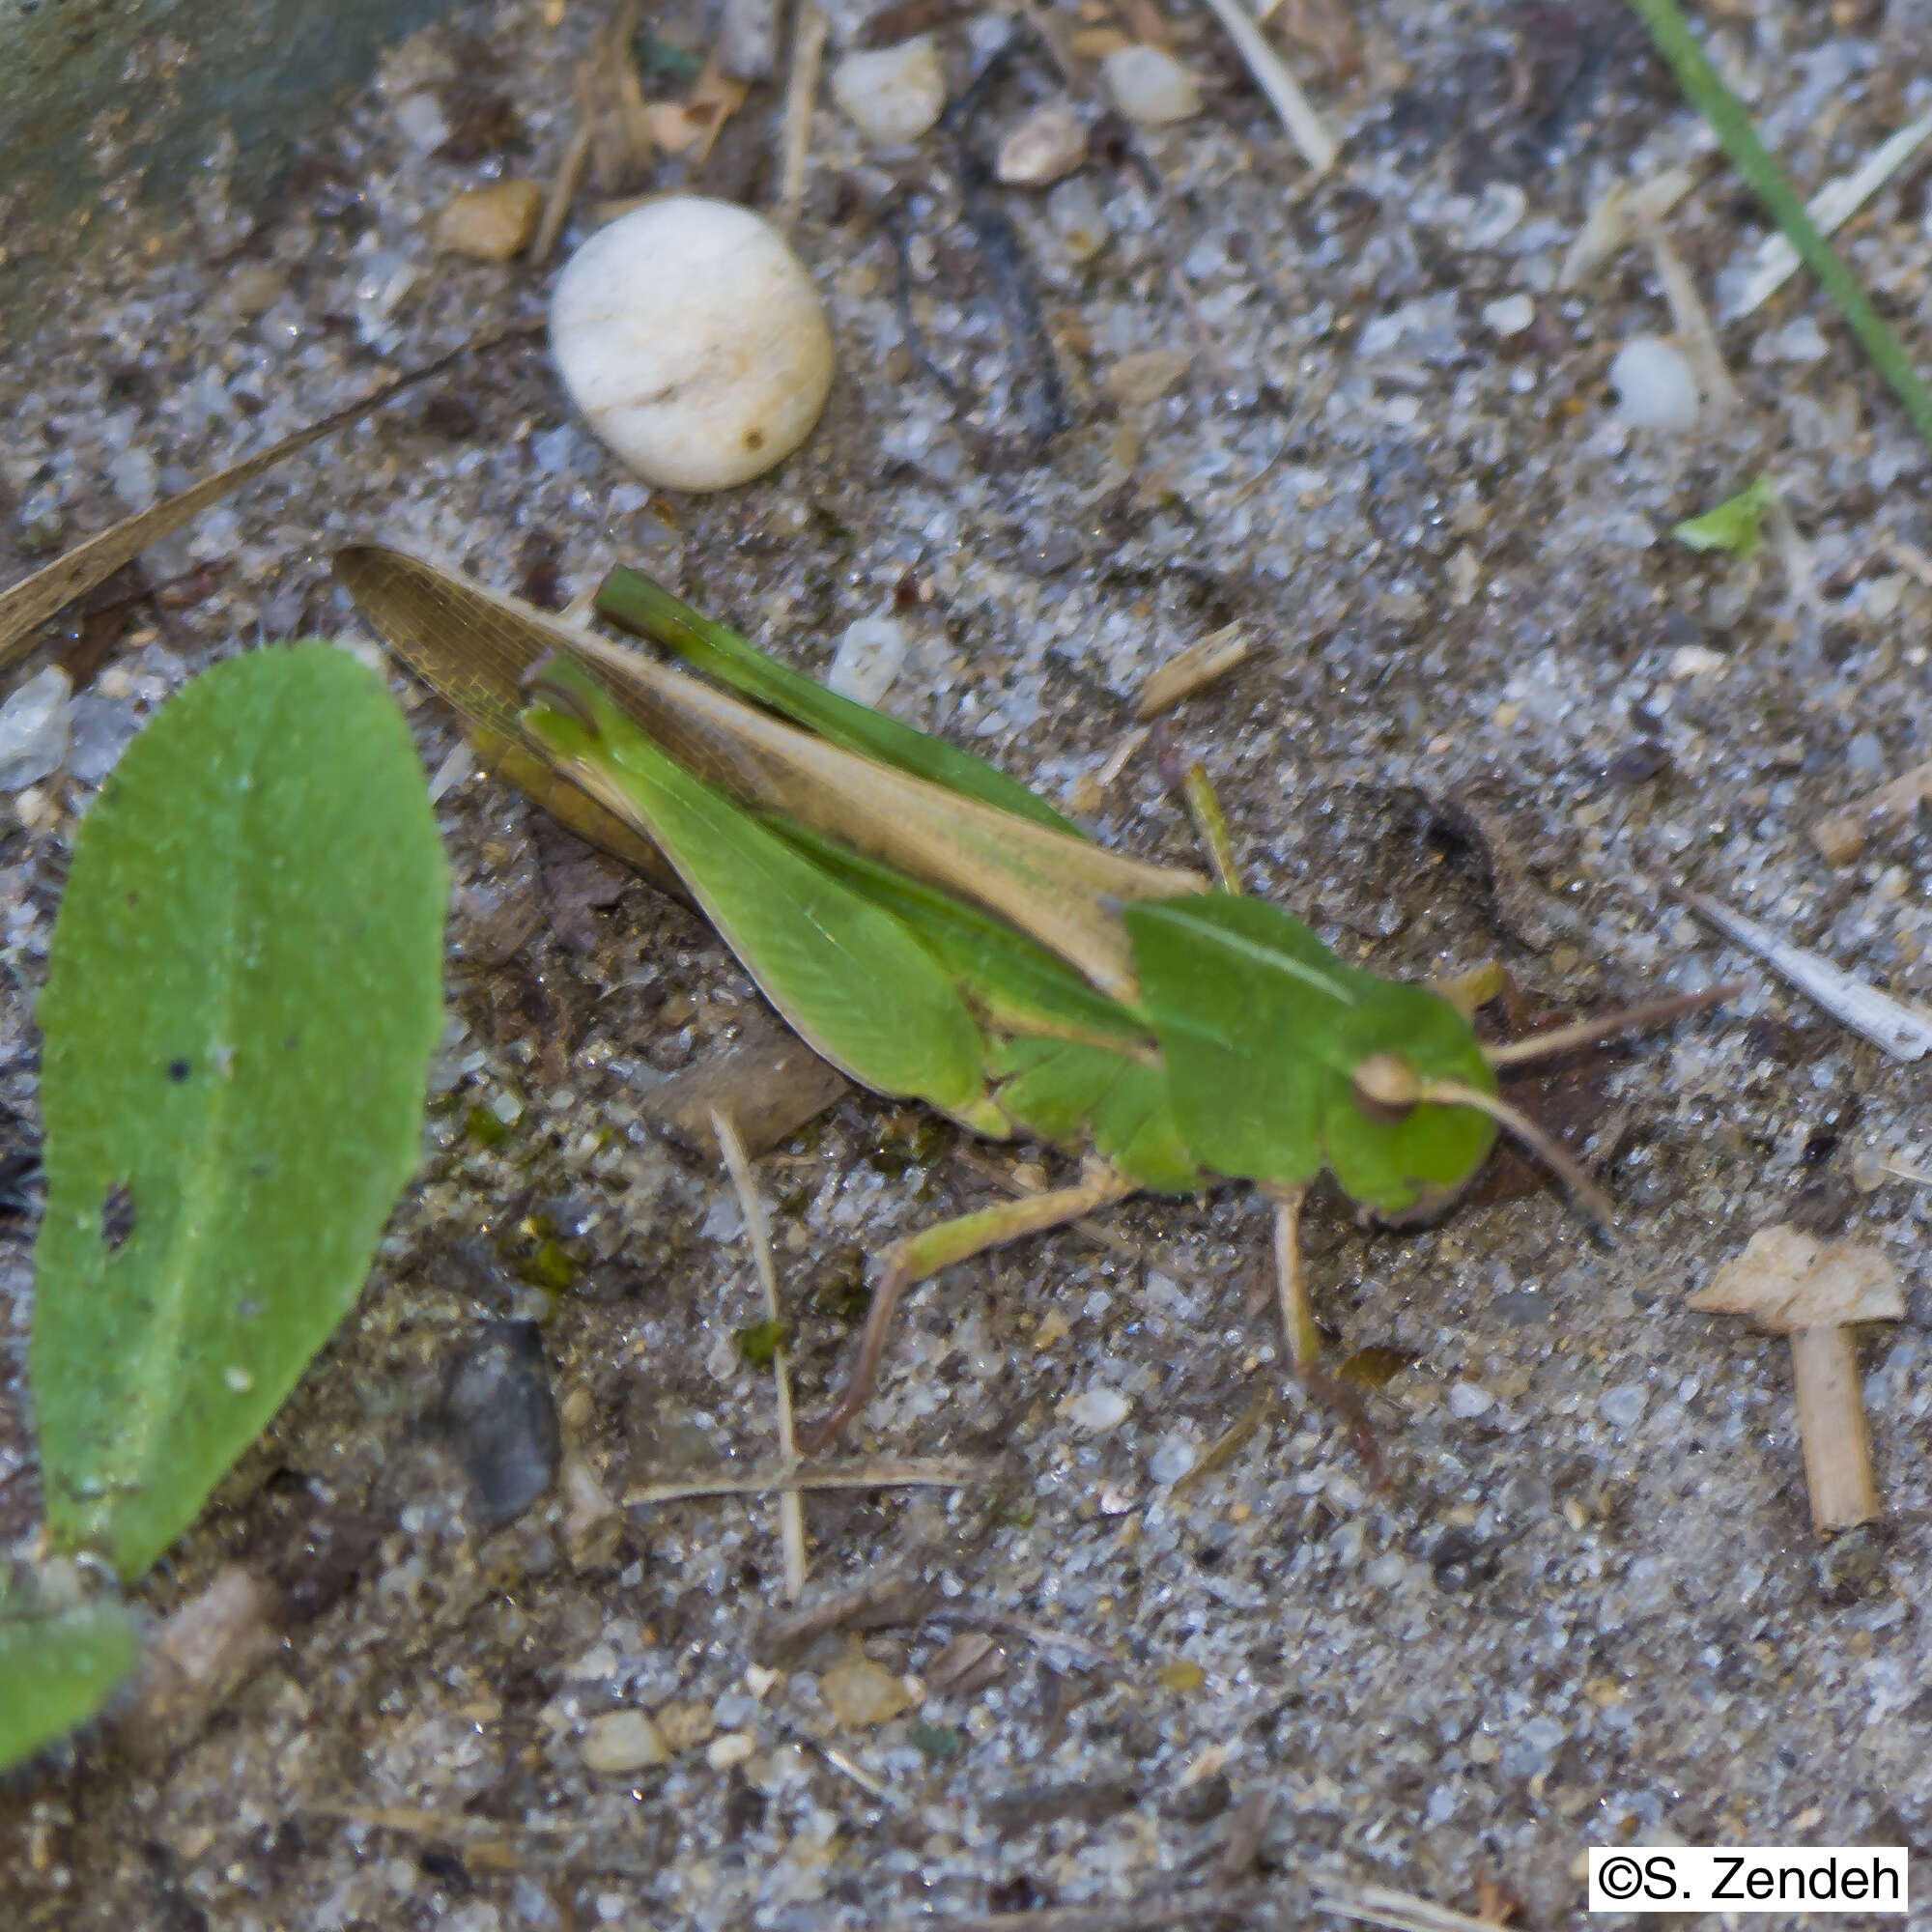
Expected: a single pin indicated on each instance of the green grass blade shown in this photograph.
(634, 603)
(245, 990)
(57, 1668)
(1729, 121)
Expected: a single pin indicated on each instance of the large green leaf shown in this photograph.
(57, 1668)
(245, 991)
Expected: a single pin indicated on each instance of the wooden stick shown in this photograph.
(1831, 1428)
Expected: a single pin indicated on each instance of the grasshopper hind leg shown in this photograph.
(923, 1254)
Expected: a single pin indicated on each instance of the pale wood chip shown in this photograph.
(1199, 665)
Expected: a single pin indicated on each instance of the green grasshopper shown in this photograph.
(938, 932)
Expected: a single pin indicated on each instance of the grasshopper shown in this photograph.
(939, 932)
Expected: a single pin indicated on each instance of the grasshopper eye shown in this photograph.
(1386, 1087)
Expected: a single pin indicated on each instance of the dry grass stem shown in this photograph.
(1899, 1030)
(941, 1473)
(791, 1512)
(1692, 322)
(30, 603)
(1830, 208)
(570, 167)
(1305, 127)
(807, 50)
(1399, 1911)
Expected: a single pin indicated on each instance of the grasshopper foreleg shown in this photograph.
(923, 1254)
(1304, 1339)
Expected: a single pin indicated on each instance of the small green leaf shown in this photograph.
(760, 1343)
(1736, 525)
(244, 995)
(484, 1127)
(938, 1742)
(57, 1668)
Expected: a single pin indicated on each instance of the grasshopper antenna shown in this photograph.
(1387, 1085)
(1608, 1026)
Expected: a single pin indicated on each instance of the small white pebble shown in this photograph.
(1623, 1407)
(621, 1741)
(1077, 217)
(423, 122)
(733, 1748)
(1048, 145)
(1693, 661)
(869, 656)
(1509, 315)
(1468, 1400)
(1150, 86)
(35, 725)
(693, 340)
(1172, 1459)
(1654, 387)
(891, 95)
(1098, 1410)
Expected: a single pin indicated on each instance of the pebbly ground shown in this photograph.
(1491, 706)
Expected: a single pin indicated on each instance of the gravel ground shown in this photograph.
(1489, 701)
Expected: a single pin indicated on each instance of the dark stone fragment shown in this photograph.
(1638, 763)
(1092, 1801)
(501, 1418)
(1203, 1803)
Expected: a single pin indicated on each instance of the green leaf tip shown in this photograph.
(1736, 525)
(59, 1664)
(244, 994)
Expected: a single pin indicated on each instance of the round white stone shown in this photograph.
(691, 337)
(1150, 86)
(1098, 1410)
(1654, 384)
(891, 95)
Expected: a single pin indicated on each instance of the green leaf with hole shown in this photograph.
(244, 994)
(57, 1666)
(1736, 525)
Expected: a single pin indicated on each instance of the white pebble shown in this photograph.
(621, 1741)
(423, 122)
(1098, 1410)
(1470, 1400)
(870, 655)
(1048, 145)
(1654, 384)
(34, 726)
(1800, 341)
(1172, 1459)
(732, 1748)
(691, 337)
(891, 95)
(1074, 210)
(1150, 86)
(1623, 1407)
(1509, 315)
